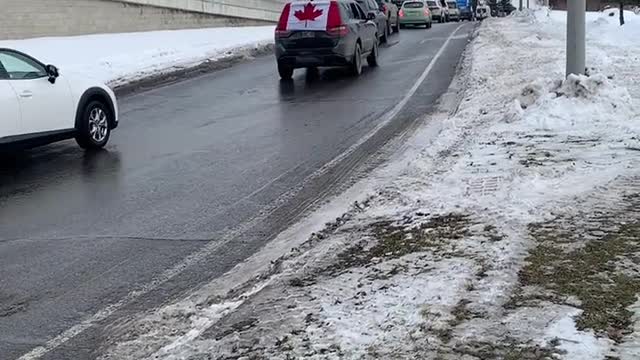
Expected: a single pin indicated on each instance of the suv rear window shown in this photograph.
(452, 5)
(413, 4)
(432, 4)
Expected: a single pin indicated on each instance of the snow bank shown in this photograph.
(121, 58)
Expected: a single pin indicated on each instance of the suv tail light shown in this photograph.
(401, 13)
(281, 28)
(384, 8)
(335, 26)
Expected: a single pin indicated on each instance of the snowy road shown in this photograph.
(200, 175)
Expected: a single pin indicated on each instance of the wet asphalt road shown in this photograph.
(214, 166)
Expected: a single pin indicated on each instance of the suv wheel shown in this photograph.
(372, 59)
(356, 65)
(94, 129)
(285, 71)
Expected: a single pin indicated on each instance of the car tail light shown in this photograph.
(281, 28)
(384, 8)
(341, 30)
(401, 13)
(426, 12)
(334, 21)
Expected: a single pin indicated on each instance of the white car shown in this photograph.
(438, 11)
(454, 12)
(38, 105)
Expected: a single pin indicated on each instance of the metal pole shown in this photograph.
(575, 36)
(527, 4)
(520, 8)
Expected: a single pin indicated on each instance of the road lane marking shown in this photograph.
(211, 247)
(459, 37)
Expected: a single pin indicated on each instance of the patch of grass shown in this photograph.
(590, 274)
(508, 350)
(460, 313)
(397, 238)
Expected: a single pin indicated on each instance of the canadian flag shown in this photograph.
(308, 16)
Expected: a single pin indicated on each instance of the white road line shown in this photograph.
(459, 37)
(200, 255)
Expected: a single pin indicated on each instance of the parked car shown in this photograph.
(483, 12)
(464, 10)
(454, 12)
(466, 13)
(415, 13)
(438, 12)
(384, 26)
(391, 10)
(40, 104)
(325, 33)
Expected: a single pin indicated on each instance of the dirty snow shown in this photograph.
(577, 344)
(438, 258)
(117, 59)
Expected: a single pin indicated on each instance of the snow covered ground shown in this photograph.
(506, 230)
(118, 59)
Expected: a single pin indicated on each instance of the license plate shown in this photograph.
(305, 34)
(307, 60)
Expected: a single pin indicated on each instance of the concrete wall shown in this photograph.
(251, 9)
(34, 18)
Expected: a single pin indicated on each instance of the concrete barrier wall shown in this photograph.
(34, 18)
(250, 9)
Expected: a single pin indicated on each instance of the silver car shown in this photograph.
(438, 12)
(454, 12)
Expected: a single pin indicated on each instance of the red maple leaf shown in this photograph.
(309, 13)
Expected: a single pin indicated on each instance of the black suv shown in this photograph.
(325, 33)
